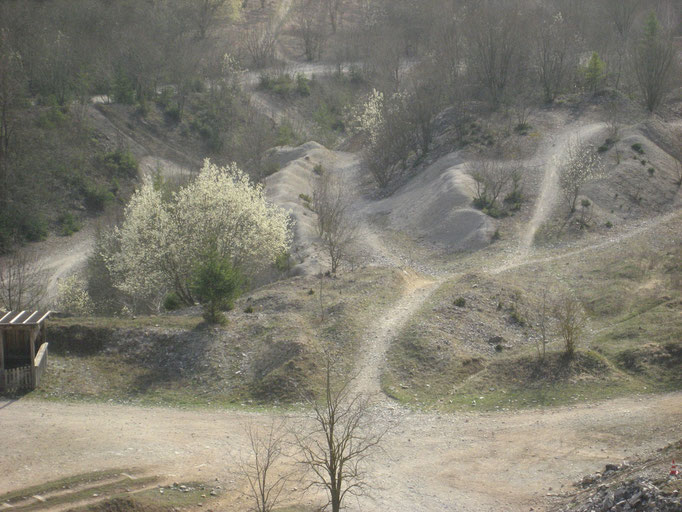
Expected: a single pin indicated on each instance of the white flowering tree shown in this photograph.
(367, 118)
(72, 297)
(581, 166)
(161, 241)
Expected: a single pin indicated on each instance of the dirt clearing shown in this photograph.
(465, 462)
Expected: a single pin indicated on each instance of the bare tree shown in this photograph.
(310, 28)
(613, 117)
(581, 166)
(22, 281)
(543, 326)
(622, 14)
(422, 105)
(342, 438)
(266, 479)
(490, 178)
(494, 37)
(653, 62)
(204, 14)
(260, 45)
(554, 54)
(334, 9)
(336, 227)
(571, 322)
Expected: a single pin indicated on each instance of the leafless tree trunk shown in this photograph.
(490, 179)
(205, 13)
(309, 28)
(554, 54)
(22, 281)
(422, 105)
(622, 14)
(543, 326)
(340, 442)
(336, 227)
(260, 45)
(571, 322)
(266, 479)
(334, 10)
(653, 62)
(494, 36)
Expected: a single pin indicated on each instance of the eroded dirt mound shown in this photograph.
(292, 188)
(436, 204)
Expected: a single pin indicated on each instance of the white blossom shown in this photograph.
(160, 242)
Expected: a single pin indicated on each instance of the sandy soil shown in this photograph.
(464, 462)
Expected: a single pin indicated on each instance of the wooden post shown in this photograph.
(33, 334)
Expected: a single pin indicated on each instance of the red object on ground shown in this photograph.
(673, 470)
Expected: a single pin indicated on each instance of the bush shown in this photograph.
(33, 227)
(460, 302)
(523, 128)
(72, 297)
(517, 317)
(286, 136)
(248, 309)
(96, 197)
(172, 114)
(651, 171)
(302, 85)
(305, 198)
(609, 224)
(163, 100)
(123, 90)
(68, 224)
(120, 163)
(283, 262)
(171, 302)
(637, 148)
(51, 119)
(217, 283)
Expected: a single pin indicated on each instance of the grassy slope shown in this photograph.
(631, 292)
(271, 354)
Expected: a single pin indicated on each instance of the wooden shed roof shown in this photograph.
(16, 318)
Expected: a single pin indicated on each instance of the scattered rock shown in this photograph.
(633, 495)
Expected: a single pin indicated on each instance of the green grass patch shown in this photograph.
(268, 354)
(61, 484)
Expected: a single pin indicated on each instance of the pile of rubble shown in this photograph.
(633, 495)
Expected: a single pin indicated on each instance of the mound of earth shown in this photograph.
(437, 205)
(292, 188)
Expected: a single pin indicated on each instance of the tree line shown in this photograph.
(499, 55)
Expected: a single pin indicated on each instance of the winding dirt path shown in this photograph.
(376, 340)
(551, 158)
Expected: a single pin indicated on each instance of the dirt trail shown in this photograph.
(549, 192)
(376, 340)
(464, 462)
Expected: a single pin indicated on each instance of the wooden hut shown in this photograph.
(23, 350)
